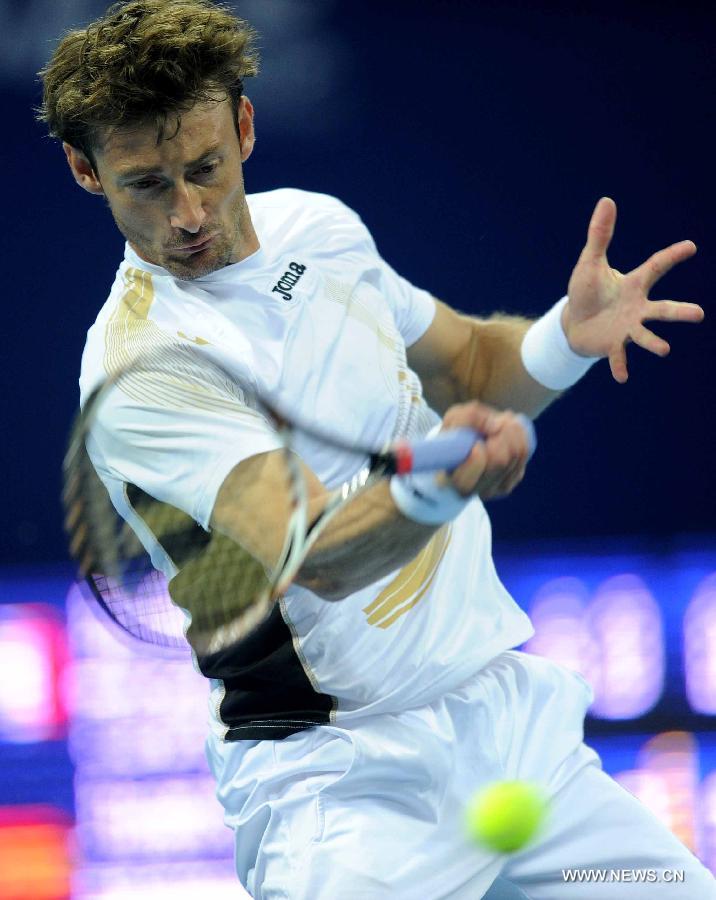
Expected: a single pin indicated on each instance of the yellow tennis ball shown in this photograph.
(506, 815)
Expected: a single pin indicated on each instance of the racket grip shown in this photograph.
(448, 449)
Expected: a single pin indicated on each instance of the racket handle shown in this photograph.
(450, 448)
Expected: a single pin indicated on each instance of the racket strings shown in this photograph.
(223, 587)
(218, 588)
(90, 519)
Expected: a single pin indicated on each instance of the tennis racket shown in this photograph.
(155, 572)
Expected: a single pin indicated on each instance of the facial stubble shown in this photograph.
(223, 251)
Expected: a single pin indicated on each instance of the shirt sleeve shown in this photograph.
(413, 308)
(177, 435)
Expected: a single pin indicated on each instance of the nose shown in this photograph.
(187, 212)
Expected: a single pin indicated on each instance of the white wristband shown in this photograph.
(420, 498)
(547, 355)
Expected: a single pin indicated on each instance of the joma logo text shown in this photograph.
(288, 280)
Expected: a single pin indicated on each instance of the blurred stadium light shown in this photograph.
(33, 658)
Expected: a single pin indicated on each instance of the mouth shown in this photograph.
(194, 248)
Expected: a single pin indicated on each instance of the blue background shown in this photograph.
(474, 139)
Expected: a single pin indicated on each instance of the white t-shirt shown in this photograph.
(327, 342)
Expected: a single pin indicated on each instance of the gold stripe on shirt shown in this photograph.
(410, 584)
(157, 369)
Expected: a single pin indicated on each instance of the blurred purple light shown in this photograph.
(700, 648)
(129, 748)
(154, 819)
(558, 613)
(144, 797)
(625, 620)
(122, 723)
(159, 881)
(615, 640)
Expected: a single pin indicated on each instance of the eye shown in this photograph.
(145, 184)
(206, 169)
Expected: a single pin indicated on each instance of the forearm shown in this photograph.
(491, 369)
(368, 538)
(365, 539)
(463, 359)
(382, 527)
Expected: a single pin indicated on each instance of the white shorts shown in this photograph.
(375, 811)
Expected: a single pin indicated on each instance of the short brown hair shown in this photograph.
(143, 61)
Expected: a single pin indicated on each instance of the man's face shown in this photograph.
(180, 202)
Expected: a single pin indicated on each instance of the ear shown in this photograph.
(82, 170)
(246, 128)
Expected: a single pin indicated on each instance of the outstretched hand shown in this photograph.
(607, 310)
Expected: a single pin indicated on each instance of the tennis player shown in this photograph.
(346, 736)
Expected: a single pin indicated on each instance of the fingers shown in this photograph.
(618, 364)
(657, 310)
(507, 456)
(494, 466)
(601, 228)
(643, 338)
(650, 341)
(646, 339)
(466, 476)
(674, 311)
(503, 486)
(478, 416)
(497, 464)
(662, 261)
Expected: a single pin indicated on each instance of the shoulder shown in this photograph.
(306, 218)
(124, 320)
(294, 202)
(91, 366)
